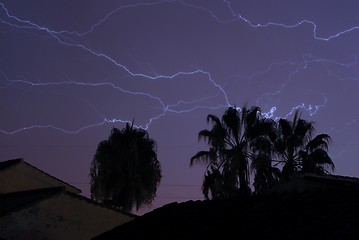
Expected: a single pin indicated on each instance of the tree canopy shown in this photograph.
(244, 139)
(298, 151)
(228, 157)
(125, 171)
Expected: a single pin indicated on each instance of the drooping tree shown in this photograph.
(298, 151)
(125, 171)
(228, 158)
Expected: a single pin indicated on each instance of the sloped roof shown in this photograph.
(15, 201)
(4, 165)
(11, 202)
(9, 163)
(315, 213)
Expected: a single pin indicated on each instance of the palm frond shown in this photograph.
(203, 157)
(320, 141)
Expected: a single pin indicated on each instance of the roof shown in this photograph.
(15, 201)
(302, 182)
(12, 202)
(13, 162)
(9, 163)
(315, 213)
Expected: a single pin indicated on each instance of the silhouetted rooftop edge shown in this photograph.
(5, 165)
(320, 211)
(15, 201)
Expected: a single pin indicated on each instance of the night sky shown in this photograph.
(72, 70)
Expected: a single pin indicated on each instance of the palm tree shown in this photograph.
(228, 157)
(265, 174)
(298, 151)
(125, 171)
(315, 158)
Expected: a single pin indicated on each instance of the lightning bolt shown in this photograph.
(75, 39)
(235, 16)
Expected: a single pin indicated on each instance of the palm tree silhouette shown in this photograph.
(244, 138)
(228, 158)
(297, 151)
(263, 149)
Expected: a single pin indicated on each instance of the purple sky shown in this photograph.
(72, 70)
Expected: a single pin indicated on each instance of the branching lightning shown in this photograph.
(73, 39)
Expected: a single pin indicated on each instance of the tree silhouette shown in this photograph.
(298, 151)
(263, 149)
(230, 141)
(125, 171)
(245, 138)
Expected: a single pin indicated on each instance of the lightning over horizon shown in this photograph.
(70, 71)
(59, 36)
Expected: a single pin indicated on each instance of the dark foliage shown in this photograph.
(125, 171)
(233, 140)
(274, 150)
(298, 151)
